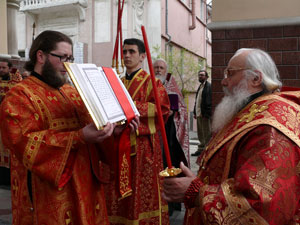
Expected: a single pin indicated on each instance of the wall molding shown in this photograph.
(257, 23)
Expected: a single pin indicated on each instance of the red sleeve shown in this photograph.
(48, 153)
(264, 187)
(148, 113)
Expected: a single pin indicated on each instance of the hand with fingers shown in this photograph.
(174, 189)
(133, 126)
(92, 135)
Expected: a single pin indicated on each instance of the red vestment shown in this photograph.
(52, 181)
(5, 86)
(145, 204)
(249, 173)
(180, 117)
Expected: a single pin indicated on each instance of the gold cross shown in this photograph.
(139, 78)
(76, 99)
(252, 112)
(52, 98)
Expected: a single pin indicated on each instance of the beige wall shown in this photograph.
(3, 27)
(239, 10)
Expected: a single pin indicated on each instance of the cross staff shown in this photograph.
(115, 62)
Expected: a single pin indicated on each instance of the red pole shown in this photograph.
(157, 102)
(121, 36)
(115, 57)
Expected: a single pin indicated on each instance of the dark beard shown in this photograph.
(51, 76)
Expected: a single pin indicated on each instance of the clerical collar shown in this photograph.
(254, 96)
(38, 76)
(130, 76)
(5, 77)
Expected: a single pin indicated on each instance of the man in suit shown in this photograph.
(202, 111)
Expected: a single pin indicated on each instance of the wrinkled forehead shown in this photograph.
(160, 64)
(238, 61)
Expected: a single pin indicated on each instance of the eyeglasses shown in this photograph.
(63, 58)
(228, 71)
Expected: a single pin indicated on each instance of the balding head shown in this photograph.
(259, 62)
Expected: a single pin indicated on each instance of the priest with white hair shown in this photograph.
(249, 172)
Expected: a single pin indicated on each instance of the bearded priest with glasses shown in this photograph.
(57, 171)
(249, 172)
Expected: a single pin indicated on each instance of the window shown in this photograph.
(203, 10)
(21, 53)
(187, 3)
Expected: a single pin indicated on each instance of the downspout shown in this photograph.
(193, 26)
(169, 37)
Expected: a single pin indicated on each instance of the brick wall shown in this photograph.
(282, 43)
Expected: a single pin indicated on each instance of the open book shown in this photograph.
(98, 94)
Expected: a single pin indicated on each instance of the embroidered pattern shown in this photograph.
(252, 113)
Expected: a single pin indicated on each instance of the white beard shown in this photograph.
(161, 77)
(230, 105)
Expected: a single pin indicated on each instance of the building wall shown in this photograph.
(271, 25)
(178, 27)
(282, 43)
(235, 10)
(3, 27)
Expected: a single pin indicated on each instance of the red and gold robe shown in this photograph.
(250, 171)
(5, 86)
(145, 204)
(41, 126)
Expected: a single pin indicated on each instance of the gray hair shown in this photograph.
(259, 60)
(161, 59)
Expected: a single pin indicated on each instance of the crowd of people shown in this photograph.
(63, 170)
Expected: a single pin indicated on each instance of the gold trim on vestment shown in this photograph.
(151, 118)
(142, 216)
(35, 139)
(129, 82)
(239, 206)
(224, 136)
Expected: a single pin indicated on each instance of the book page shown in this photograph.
(98, 93)
(104, 93)
(136, 112)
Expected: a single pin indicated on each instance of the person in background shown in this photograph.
(203, 111)
(142, 204)
(9, 77)
(249, 173)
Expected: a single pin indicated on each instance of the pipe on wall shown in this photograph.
(193, 26)
(167, 30)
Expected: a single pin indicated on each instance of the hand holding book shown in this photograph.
(133, 125)
(92, 135)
